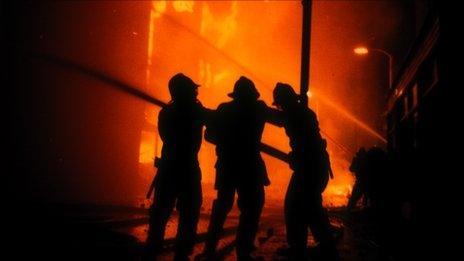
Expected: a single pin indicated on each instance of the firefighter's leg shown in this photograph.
(221, 207)
(295, 223)
(319, 224)
(160, 211)
(188, 207)
(250, 202)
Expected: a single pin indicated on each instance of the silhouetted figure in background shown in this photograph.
(384, 192)
(310, 165)
(178, 180)
(378, 171)
(358, 167)
(236, 130)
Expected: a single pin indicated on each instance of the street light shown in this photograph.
(362, 50)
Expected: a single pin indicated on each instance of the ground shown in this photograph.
(119, 234)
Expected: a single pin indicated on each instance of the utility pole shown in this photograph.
(305, 50)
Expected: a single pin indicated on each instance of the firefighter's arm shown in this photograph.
(208, 115)
(273, 116)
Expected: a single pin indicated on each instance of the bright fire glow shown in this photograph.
(147, 150)
(159, 7)
(218, 31)
(183, 6)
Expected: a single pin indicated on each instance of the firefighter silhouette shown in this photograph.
(178, 180)
(236, 129)
(359, 168)
(303, 201)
